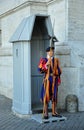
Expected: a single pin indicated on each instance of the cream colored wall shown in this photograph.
(57, 12)
(75, 40)
(6, 72)
(75, 20)
(12, 5)
(9, 24)
(40, 8)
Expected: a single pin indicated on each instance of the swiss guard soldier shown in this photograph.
(50, 66)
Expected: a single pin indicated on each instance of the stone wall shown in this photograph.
(70, 74)
(56, 10)
(77, 61)
(75, 39)
(10, 6)
(9, 24)
(75, 20)
(6, 72)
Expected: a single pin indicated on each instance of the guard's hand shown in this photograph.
(48, 62)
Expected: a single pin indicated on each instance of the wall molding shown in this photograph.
(21, 6)
(26, 4)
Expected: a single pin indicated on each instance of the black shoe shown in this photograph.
(45, 117)
(56, 115)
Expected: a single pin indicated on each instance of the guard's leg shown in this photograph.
(53, 107)
(45, 111)
(54, 111)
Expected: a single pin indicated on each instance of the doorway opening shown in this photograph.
(40, 41)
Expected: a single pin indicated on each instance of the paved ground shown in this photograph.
(8, 121)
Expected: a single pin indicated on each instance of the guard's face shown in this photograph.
(50, 53)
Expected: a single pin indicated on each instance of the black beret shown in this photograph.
(48, 49)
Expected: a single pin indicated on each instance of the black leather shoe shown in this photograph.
(56, 115)
(45, 117)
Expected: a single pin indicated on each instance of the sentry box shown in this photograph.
(29, 43)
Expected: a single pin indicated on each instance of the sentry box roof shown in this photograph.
(25, 29)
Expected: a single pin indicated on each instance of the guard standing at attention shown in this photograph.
(50, 66)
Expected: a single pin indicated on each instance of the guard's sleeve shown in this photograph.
(42, 68)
